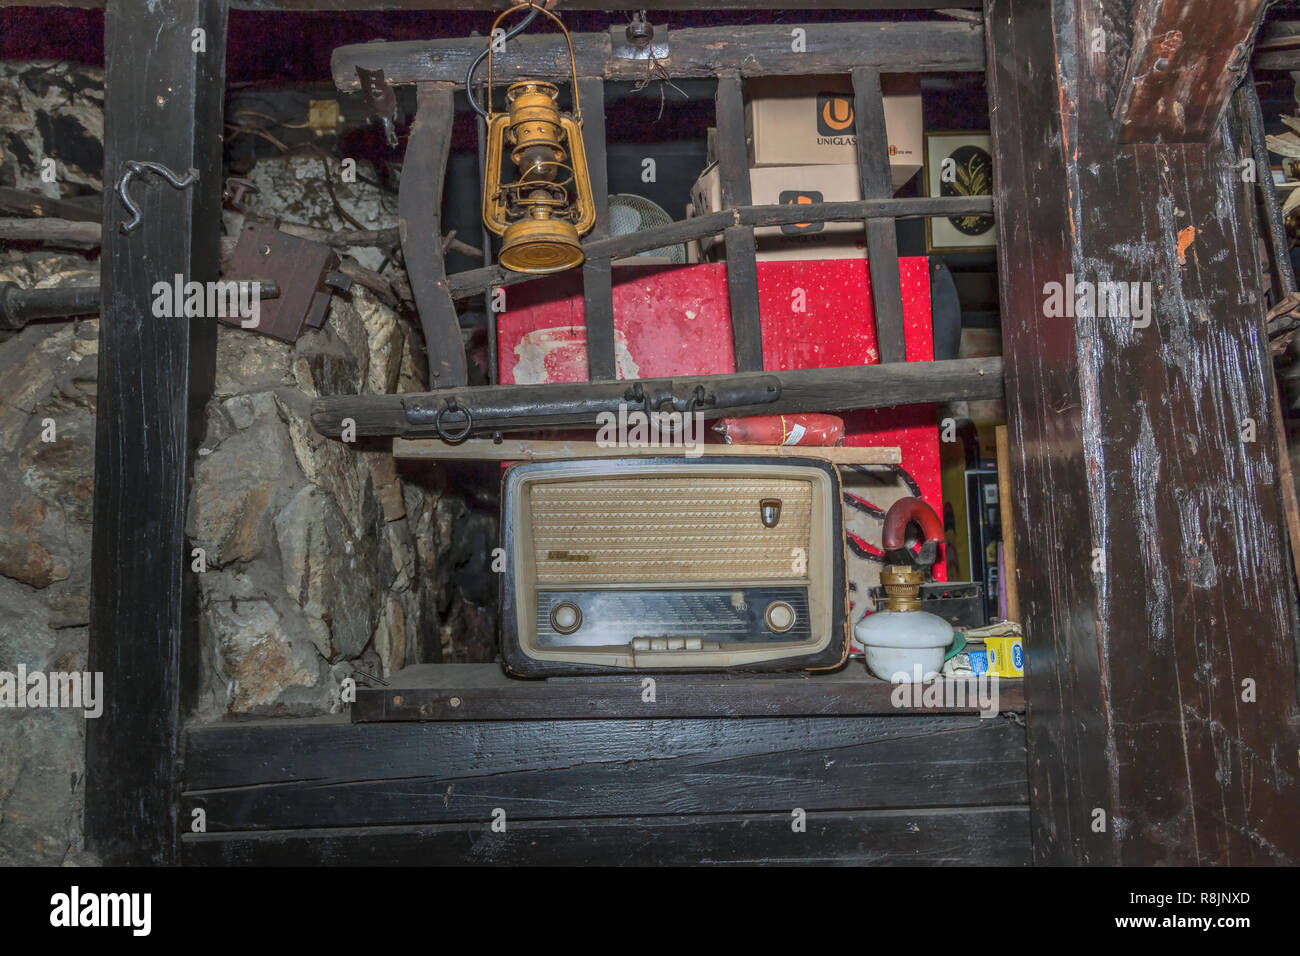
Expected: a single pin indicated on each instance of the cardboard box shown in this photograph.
(808, 120)
(780, 185)
(1006, 656)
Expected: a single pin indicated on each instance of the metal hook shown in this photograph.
(132, 167)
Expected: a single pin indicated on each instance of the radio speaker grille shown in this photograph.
(667, 530)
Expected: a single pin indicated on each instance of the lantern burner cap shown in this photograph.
(540, 246)
(531, 86)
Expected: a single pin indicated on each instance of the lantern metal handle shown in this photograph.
(573, 63)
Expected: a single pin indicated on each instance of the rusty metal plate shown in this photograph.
(298, 266)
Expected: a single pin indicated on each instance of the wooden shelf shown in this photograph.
(469, 692)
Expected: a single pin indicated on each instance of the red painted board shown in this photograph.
(675, 320)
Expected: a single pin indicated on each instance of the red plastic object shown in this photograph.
(676, 321)
(902, 513)
(797, 429)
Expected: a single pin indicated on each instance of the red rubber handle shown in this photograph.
(902, 513)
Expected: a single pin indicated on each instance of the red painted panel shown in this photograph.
(676, 321)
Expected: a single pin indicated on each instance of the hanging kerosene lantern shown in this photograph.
(537, 219)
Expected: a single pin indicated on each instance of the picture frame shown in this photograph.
(972, 153)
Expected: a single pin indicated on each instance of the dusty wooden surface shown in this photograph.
(610, 791)
(509, 449)
(1154, 583)
(751, 50)
(155, 374)
(419, 207)
(1186, 58)
(802, 390)
(483, 692)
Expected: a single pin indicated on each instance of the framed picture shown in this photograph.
(959, 164)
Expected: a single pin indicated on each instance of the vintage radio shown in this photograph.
(665, 564)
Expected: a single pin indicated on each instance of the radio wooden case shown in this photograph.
(668, 564)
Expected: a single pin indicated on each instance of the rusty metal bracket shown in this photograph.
(236, 191)
(383, 101)
(303, 274)
(134, 168)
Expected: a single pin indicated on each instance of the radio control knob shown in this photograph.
(566, 617)
(779, 617)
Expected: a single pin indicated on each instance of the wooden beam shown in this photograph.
(424, 692)
(1154, 580)
(485, 449)
(949, 836)
(882, 236)
(902, 47)
(597, 277)
(742, 269)
(474, 281)
(419, 219)
(1187, 57)
(279, 774)
(802, 390)
(155, 375)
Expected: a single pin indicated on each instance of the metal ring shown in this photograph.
(450, 437)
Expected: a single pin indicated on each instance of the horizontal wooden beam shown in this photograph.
(484, 692)
(916, 46)
(473, 282)
(802, 390)
(514, 449)
(286, 773)
(975, 836)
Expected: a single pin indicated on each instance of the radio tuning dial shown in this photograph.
(566, 617)
(779, 617)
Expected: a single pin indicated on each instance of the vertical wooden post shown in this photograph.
(742, 270)
(419, 217)
(882, 235)
(1160, 654)
(597, 279)
(163, 103)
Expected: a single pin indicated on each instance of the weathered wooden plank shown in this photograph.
(597, 278)
(419, 218)
(154, 378)
(483, 692)
(802, 390)
(766, 50)
(231, 754)
(1153, 573)
(1187, 57)
(508, 449)
(983, 836)
(742, 270)
(272, 777)
(474, 281)
(882, 237)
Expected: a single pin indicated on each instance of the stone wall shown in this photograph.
(47, 377)
(322, 560)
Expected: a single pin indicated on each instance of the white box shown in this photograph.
(780, 185)
(808, 120)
